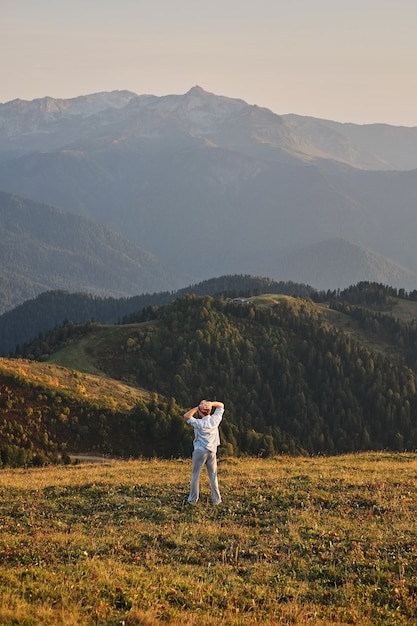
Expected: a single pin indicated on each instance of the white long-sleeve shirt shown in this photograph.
(206, 430)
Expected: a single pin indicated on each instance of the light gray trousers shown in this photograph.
(208, 458)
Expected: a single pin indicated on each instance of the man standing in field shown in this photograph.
(206, 442)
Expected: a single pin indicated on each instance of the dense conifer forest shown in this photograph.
(292, 382)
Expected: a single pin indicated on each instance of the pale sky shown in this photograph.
(343, 60)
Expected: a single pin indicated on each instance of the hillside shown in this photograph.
(298, 541)
(87, 353)
(171, 172)
(50, 309)
(73, 382)
(48, 411)
(44, 248)
(296, 376)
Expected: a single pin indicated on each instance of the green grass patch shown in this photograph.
(296, 541)
(74, 356)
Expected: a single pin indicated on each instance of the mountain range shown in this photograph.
(207, 185)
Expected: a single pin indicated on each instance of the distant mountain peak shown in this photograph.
(197, 91)
(212, 99)
(197, 111)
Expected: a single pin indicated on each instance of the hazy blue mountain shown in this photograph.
(337, 264)
(363, 146)
(212, 185)
(44, 248)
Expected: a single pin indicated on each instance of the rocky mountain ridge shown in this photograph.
(375, 146)
(211, 185)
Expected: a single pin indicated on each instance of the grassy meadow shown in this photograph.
(296, 541)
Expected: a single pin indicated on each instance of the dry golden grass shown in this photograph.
(296, 541)
(94, 388)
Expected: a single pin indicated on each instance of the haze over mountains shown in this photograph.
(44, 248)
(208, 185)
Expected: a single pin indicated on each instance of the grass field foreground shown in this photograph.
(296, 541)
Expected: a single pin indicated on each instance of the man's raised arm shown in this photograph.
(190, 413)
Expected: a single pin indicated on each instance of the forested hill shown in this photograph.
(50, 309)
(296, 376)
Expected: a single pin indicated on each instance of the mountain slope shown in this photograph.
(367, 146)
(213, 186)
(44, 248)
(169, 198)
(336, 264)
